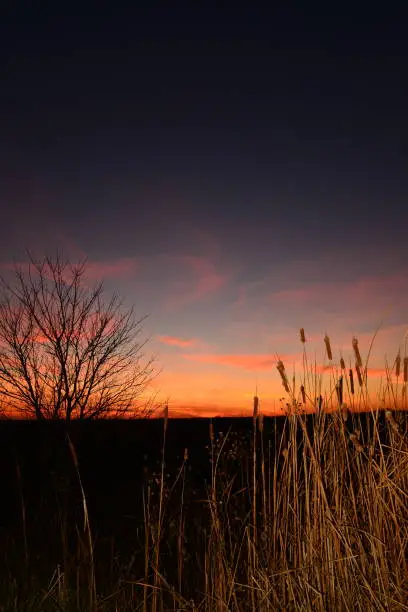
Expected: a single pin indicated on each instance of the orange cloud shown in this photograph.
(205, 411)
(180, 342)
(245, 362)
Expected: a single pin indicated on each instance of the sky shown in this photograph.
(233, 174)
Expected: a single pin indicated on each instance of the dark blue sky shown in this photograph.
(226, 154)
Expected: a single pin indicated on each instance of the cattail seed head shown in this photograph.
(351, 382)
(342, 364)
(328, 347)
(339, 388)
(211, 431)
(303, 392)
(302, 335)
(405, 369)
(166, 416)
(360, 378)
(398, 364)
(357, 352)
(344, 412)
(256, 404)
(261, 422)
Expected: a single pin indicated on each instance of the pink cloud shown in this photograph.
(119, 268)
(207, 278)
(180, 342)
(94, 270)
(357, 293)
(192, 279)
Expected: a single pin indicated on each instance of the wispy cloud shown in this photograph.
(119, 268)
(245, 362)
(179, 342)
(207, 411)
(94, 270)
(191, 279)
(353, 294)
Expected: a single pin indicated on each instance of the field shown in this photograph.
(303, 512)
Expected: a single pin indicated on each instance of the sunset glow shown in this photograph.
(232, 192)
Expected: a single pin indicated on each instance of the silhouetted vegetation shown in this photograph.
(308, 511)
(65, 351)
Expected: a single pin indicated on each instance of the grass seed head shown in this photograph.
(356, 442)
(281, 369)
(390, 418)
(73, 453)
(344, 412)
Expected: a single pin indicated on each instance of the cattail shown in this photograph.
(256, 403)
(357, 352)
(339, 390)
(351, 382)
(303, 392)
(211, 432)
(261, 422)
(342, 364)
(405, 369)
(398, 364)
(328, 347)
(302, 336)
(186, 454)
(166, 416)
(281, 369)
(360, 378)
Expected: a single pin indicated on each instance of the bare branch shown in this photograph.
(65, 352)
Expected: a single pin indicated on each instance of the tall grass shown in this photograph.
(309, 513)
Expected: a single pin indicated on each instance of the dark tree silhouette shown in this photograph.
(65, 351)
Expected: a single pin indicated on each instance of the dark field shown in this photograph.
(261, 489)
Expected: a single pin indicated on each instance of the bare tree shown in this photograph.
(65, 352)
